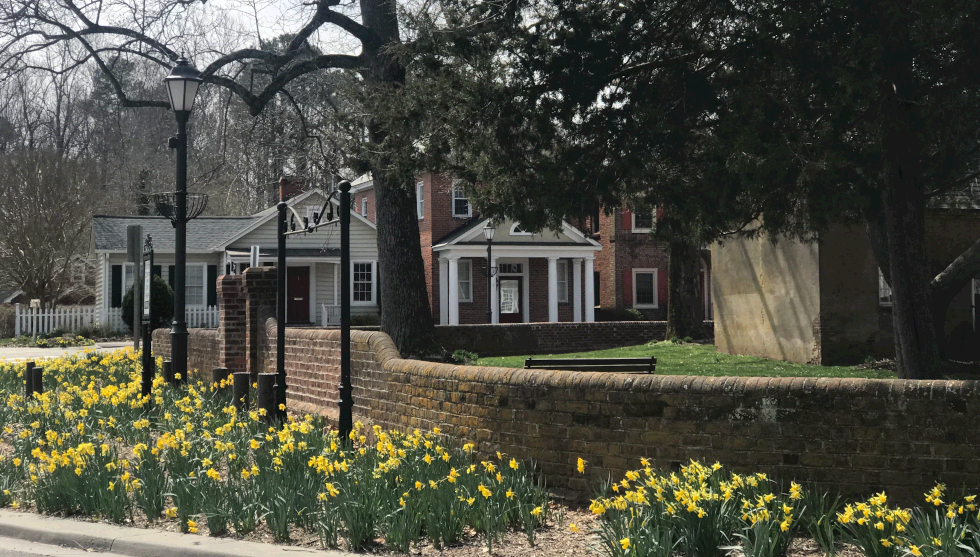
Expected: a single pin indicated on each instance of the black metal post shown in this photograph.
(149, 364)
(240, 383)
(178, 331)
(218, 375)
(267, 395)
(281, 316)
(37, 379)
(346, 402)
(28, 380)
(168, 372)
(489, 282)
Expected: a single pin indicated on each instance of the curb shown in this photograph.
(139, 542)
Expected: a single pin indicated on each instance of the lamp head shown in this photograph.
(488, 231)
(182, 86)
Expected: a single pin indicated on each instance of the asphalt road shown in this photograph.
(11, 547)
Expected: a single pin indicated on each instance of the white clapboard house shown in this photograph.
(222, 245)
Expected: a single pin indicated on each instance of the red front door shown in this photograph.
(298, 294)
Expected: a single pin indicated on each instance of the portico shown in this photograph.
(539, 277)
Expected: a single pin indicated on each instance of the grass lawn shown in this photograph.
(702, 359)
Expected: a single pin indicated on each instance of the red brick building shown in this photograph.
(546, 276)
(632, 266)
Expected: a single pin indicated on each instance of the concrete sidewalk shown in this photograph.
(33, 353)
(139, 542)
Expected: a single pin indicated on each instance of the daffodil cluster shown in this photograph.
(92, 445)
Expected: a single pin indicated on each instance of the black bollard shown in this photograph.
(267, 395)
(37, 380)
(29, 380)
(218, 375)
(240, 383)
(168, 373)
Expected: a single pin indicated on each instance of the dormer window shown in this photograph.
(461, 203)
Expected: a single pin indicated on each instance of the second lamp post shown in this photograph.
(182, 85)
(491, 271)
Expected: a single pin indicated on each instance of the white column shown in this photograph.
(453, 290)
(577, 290)
(443, 291)
(494, 303)
(589, 290)
(553, 289)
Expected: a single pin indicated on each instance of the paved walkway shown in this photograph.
(139, 542)
(34, 353)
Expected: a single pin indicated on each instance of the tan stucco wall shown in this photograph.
(849, 320)
(766, 298)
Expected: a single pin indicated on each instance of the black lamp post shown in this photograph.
(491, 271)
(182, 85)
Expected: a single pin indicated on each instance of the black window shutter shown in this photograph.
(157, 271)
(171, 276)
(115, 300)
(212, 285)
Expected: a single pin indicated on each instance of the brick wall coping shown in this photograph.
(388, 356)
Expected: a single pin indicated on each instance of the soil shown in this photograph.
(555, 539)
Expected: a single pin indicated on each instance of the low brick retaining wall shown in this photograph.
(202, 348)
(852, 435)
(549, 338)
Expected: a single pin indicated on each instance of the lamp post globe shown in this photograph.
(182, 85)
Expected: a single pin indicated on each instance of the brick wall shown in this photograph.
(547, 338)
(203, 350)
(622, 251)
(852, 435)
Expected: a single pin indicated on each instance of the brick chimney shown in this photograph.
(290, 187)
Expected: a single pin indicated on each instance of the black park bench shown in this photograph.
(648, 365)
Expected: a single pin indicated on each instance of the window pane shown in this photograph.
(562, 281)
(643, 220)
(362, 282)
(644, 289)
(194, 286)
(465, 279)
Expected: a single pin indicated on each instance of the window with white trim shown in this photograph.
(644, 222)
(364, 206)
(645, 288)
(194, 286)
(562, 280)
(884, 291)
(461, 203)
(420, 199)
(128, 272)
(362, 289)
(464, 276)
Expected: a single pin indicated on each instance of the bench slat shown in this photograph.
(648, 365)
(588, 361)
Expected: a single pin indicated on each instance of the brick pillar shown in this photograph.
(232, 325)
(260, 298)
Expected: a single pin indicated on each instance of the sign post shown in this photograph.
(146, 317)
(134, 239)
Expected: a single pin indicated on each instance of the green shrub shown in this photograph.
(162, 300)
(365, 320)
(463, 357)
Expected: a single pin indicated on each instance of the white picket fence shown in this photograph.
(32, 322)
(329, 315)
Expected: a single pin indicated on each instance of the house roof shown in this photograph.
(468, 235)
(203, 233)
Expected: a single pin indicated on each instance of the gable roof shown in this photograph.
(109, 232)
(468, 235)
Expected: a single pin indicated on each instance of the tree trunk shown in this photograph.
(405, 312)
(903, 208)
(685, 312)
